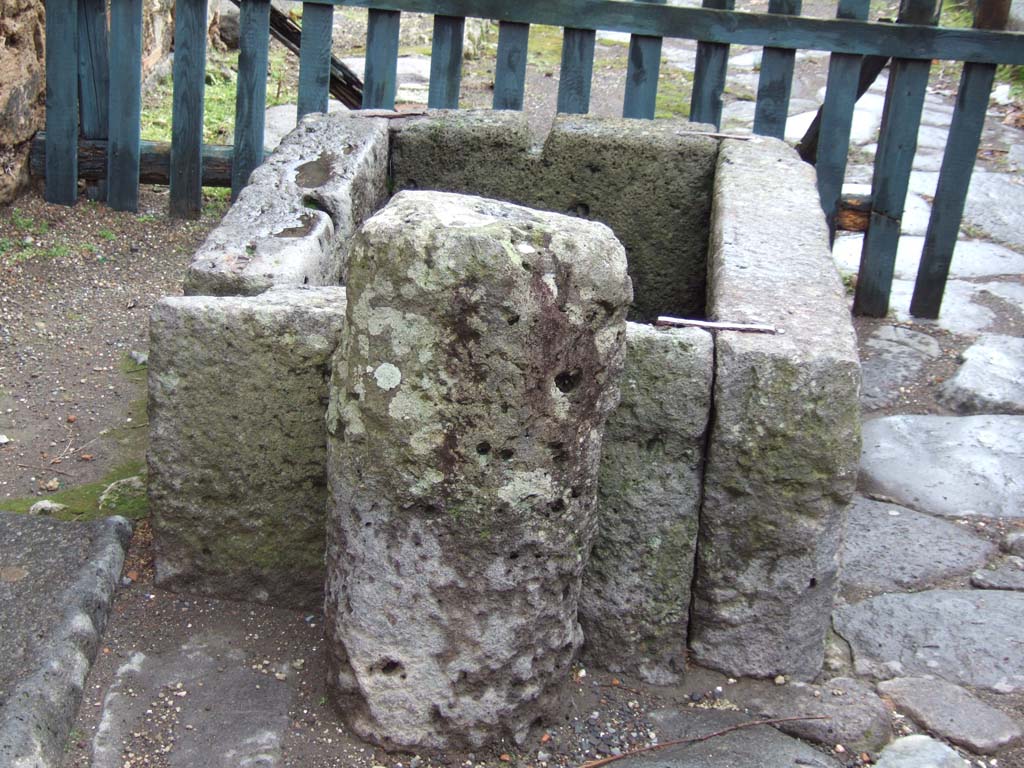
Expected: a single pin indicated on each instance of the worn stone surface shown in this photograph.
(896, 356)
(972, 637)
(57, 582)
(635, 601)
(481, 356)
(949, 711)
(783, 450)
(220, 710)
(953, 466)
(1013, 543)
(919, 751)
(292, 224)
(762, 746)
(1009, 574)
(650, 181)
(991, 379)
(857, 718)
(888, 547)
(237, 387)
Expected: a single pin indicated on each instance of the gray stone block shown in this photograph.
(636, 589)
(650, 181)
(481, 357)
(949, 711)
(782, 457)
(237, 393)
(292, 223)
(919, 751)
(991, 379)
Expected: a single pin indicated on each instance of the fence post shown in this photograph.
(61, 101)
(775, 81)
(576, 71)
(187, 108)
(380, 78)
(125, 105)
(709, 75)
(446, 62)
(315, 58)
(955, 174)
(510, 65)
(251, 93)
(897, 144)
(642, 75)
(93, 78)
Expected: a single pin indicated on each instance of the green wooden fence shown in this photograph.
(909, 45)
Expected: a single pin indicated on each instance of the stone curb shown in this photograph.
(36, 720)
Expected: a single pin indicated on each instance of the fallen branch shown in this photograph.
(44, 470)
(712, 325)
(698, 739)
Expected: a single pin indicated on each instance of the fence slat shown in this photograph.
(642, 75)
(187, 108)
(837, 118)
(510, 66)
(775, 81)
(251, 94)
(446, 62)
(93, 78)
(897, 143)
(380, 78)
(315, 58)
(951, 192)
(576, 71)
(61, 101)
(709, 75)
(125, 105)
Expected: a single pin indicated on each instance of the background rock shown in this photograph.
(991, 379)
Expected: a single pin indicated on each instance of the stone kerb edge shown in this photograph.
(784, 448)
(37, 718)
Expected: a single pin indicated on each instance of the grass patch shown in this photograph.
(545, 46)
(674, 92)
(83, 501)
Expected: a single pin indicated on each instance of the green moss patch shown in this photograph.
(82, 501)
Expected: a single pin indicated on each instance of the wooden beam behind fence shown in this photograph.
(62, 101)
(380, 77)
(775, 82)
(315, 58)
(446, 62)
(642, 73)
(251, 91)
(125, 104)
(510, 65)
(187, 108)
(577, 71)
(709, 72)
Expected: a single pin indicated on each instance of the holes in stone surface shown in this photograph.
(207, 551)
(579, 209)
(512, 319)
(575, 492)
(506, 453)
(654, 444)
(558, 505)
(353, 396)
(513, 556)
(813, 583)
(567, 381)
(483, 448)
(390, 667)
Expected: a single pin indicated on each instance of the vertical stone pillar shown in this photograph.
(480, 358)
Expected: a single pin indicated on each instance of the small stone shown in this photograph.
(121, 492)
(1007, 575)
(51, 485)
(139, 358)
(918, 751)
(4, 439)
(46, 507)
(1013, 543)
(780, 679)
(542, 756)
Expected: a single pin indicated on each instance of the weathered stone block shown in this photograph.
(481, 357)
(237, 392)
(650, 181)
(292, 224)
(783, 452)
(636, 589)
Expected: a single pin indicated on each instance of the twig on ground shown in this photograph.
(698, 739)
(713, 325)
(45, 469)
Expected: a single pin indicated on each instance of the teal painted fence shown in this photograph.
(93, 90)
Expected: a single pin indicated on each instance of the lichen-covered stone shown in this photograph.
(292, 224)
(636, 590)
(480, 359)
(650, 181)
(237, 392)
(783, 452)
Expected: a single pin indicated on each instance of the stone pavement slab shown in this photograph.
(949, 711)
(991, 379)
(962, 310)
(56, 583)
(971, 258)
(951, 466)
(994, 202)
(970, 637)
(1006, 575)
(895, 358)
(891, 548)
(919, 751)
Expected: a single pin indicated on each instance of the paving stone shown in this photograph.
(889, 547)
(1013, 543)
(991, 379)
(947, 465)
(947, 710)
(960, 313)
(919, 752)
(969, 637)
(761, 746)
(1006, 575)
(281, 120)
(857, 718)
(897, 357)
(221, 711)
(992, 206)
(971, 258)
